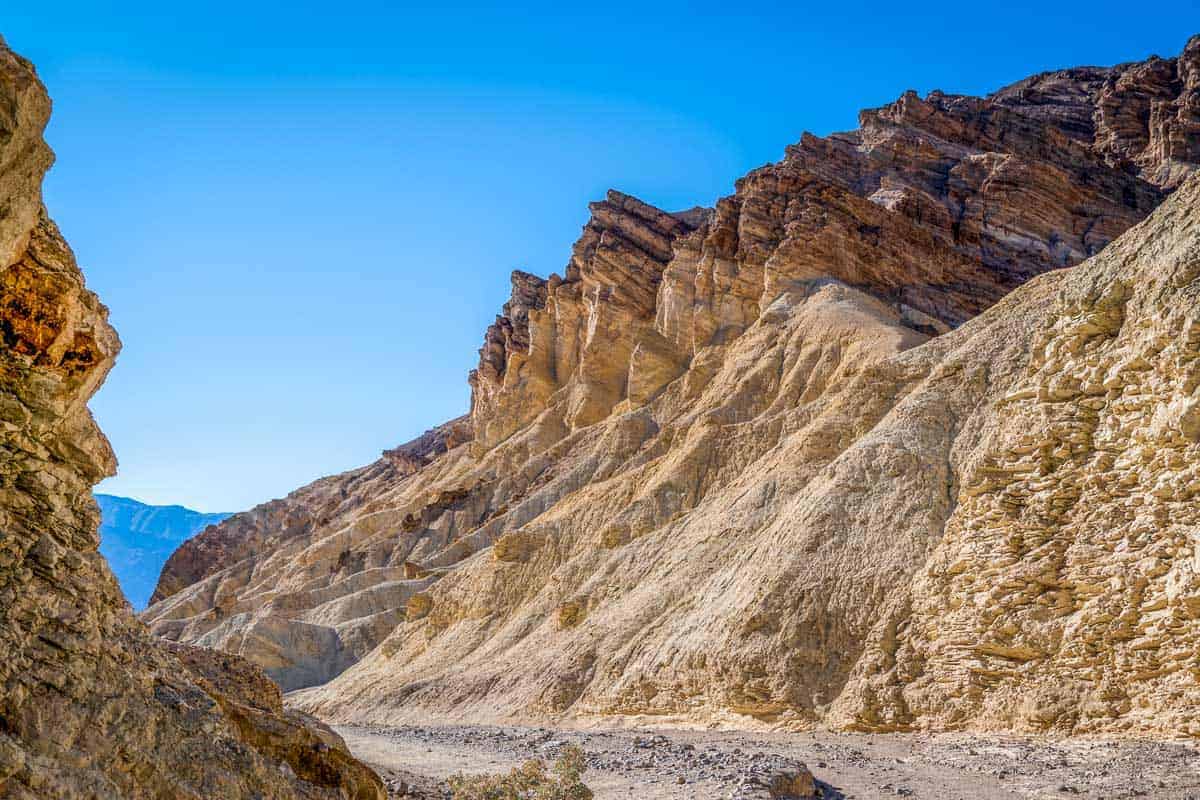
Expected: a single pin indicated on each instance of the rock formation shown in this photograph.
(307, 636)
(806, 457)
(91, 704)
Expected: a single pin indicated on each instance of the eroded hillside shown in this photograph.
(91, 704)
(750, 460)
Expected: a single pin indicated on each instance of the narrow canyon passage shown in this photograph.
(704, 765)
(876, 475)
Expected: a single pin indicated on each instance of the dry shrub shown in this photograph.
(530, 781)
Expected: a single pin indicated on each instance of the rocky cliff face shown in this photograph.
(749, 462)
(92, 705)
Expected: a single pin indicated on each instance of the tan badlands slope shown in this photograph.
(721, 468)
(91, 704)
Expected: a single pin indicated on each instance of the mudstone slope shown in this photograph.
(91, 704)
(802, 458)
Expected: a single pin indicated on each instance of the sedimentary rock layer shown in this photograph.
(735, 462)
(92, 705)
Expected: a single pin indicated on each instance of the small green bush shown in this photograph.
(530, 781)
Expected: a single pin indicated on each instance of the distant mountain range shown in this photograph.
(137, 539)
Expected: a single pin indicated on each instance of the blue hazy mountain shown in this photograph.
(137, 539)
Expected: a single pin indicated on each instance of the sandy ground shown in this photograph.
(656, 765)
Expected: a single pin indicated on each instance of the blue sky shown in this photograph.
(304, 215)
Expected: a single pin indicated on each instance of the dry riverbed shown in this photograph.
(699, 765)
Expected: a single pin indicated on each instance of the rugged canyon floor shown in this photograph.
(658, 764)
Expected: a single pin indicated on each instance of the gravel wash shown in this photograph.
(729, 765)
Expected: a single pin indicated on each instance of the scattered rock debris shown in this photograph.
(707, 765)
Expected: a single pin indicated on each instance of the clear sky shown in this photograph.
(303, 215)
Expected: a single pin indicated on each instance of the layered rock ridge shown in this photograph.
(91, 704)
(939, 206)
(706, 469)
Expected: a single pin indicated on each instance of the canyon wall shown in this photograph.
(91, 704)
(805, 457)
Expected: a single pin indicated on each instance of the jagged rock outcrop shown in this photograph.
(92, 705)
(756, 462)
(588, 326)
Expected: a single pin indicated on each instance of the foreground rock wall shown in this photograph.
(712, 466)
(1064, 590)
(91, 705)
